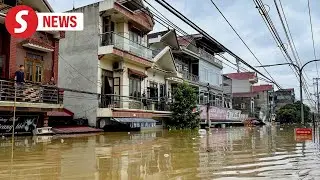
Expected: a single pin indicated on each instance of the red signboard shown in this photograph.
(303, 131)
(302, 138)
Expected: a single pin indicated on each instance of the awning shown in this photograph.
(71, 130)
(137, 73)
(137, 120)
(64, 113)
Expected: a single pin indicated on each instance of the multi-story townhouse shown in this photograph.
(284, 97)
(264, 100)
(124, 80)
(256, 100)
(242, 95)
(195, 60)
(39, 54)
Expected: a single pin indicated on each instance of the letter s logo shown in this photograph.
(21, 21)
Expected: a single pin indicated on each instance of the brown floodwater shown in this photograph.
(269, 152)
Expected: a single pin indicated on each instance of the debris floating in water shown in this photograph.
(193, 138)
(128, 132)
(62, 141)
(3, 137)
(281, 129)
(166, 155)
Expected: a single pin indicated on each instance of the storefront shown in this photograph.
(24, 123)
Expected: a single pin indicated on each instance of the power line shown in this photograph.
(172, 25)
(267, 20)
(294, 46)
(241, 39)
(206, 35)
(311, 29)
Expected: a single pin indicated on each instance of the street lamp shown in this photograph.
(300, 69)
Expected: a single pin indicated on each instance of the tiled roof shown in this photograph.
(242, 75)
(185, 40)
(261, 88)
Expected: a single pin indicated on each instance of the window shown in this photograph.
(134, 86)
(243, 106)
(162, 90)
(34, 67)
(179, 67)
(153, 90)
(135, 36)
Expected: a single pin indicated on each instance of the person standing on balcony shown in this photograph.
(19, 76)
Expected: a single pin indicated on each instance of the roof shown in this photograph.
(242, 75)
(289, 89)
(64, 113)
(71, 130)
(156, 34)
(261, 88)
(245, 94)
(185, 40)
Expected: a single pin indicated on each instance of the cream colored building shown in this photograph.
(128, 82)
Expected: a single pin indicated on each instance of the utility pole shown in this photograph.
(317, 94)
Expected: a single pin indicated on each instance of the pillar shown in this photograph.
(12, 57)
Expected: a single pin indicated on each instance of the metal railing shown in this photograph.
(205, 55)
(31, 93)
(125, 44)
(129, 102)
(189, 76)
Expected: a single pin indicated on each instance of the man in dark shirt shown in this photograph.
(19, 76)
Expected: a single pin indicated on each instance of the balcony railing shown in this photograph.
(205, 55)
(129, 102)
(30, 93)
(190, 77)
(125, 44)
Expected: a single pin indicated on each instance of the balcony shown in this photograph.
(189, 76)
(44, 96)
(122, 43)
(120, 11)
(209, 57)
(137, 103)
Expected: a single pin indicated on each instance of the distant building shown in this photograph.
(284, 97)
(263, 100)
(241, 89)
(256, 100)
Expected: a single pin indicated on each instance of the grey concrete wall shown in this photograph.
(241, 86)
(78, 65)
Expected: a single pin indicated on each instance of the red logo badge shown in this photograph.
(21, 21)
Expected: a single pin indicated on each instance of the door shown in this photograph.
(106, 89)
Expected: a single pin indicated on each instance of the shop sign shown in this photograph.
(23, 124)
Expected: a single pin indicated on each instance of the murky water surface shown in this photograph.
(232, 153)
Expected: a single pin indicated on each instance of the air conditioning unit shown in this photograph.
(117, 66)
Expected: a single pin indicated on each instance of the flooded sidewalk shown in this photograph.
(269, 152)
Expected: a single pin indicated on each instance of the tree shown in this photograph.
(290, 113)
(182, 108)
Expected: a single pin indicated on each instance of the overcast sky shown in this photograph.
(245, 18)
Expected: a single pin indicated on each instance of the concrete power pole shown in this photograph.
(317, 94)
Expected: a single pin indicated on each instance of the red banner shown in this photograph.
(303, 131)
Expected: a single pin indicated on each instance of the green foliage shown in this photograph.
(185, 101)
(291, 113)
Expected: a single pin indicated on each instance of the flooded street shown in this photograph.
(241, 153)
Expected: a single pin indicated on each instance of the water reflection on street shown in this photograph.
(245, 153)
